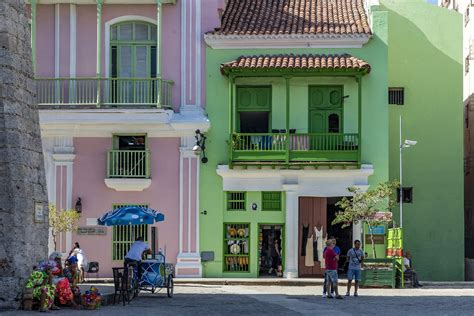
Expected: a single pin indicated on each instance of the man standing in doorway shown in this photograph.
(355, 256)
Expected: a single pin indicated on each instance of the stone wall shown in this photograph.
(23, 240)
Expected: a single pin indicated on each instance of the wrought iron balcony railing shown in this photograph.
(104, 92)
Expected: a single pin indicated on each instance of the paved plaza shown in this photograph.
(289, 300)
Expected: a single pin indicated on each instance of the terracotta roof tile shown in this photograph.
(296, 62)
(285, 17)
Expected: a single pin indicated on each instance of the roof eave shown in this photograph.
(277, 72)
(217, 41)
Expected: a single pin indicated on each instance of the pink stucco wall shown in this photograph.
(163, 195)
(45, 41)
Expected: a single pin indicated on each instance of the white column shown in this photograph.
(189, 260)
(63, 155)
(291, 231)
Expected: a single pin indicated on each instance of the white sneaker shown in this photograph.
(324, 295)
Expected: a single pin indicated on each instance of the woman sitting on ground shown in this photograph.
(64, 293)
(71, 272)
(41, 283)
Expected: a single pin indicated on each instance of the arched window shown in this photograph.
(133, 50)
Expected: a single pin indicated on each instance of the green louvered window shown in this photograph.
(271, 201)
(123, 236)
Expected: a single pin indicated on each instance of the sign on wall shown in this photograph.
(91, 231)
(377, 230)
(378, 239)
(39, 212)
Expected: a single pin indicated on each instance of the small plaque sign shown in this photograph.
(39, 212)
(90, 231)
(378, 239)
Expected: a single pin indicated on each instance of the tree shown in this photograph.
(62, 221)
(372, 207)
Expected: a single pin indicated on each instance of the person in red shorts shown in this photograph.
(331, 258)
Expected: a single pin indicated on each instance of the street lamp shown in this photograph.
(406, 144)
(200, 146)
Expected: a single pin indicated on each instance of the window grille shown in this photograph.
(123, 236)
(236, 247)
(271, 201)
(236, 201)
(396, 96)
(407, 195)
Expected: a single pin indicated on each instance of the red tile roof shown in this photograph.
(285, 17)
(296, 62)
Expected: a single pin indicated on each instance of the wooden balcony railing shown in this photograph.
(128, 164)
(109, 92)
(309, 147)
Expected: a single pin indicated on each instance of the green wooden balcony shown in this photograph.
(298, 149)
(128, 164)
(104, 92)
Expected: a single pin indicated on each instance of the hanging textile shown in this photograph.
(308, 259)
(319, 240)
(304, 240)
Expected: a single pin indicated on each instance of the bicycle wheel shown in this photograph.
(170, 286)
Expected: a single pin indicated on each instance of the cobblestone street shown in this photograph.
(282, 300)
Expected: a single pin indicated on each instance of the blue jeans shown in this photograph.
(353, 275)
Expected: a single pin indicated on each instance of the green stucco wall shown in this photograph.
(374, 133)
(425, 57)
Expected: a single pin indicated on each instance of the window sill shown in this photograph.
(127, 184)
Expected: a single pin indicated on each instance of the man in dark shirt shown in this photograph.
(331, 258)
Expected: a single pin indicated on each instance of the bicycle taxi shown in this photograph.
(155, 272)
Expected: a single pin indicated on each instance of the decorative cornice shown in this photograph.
(103, 122)
(286, 41)
(103, 1)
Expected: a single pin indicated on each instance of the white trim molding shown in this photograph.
(125, 184)
(286, 41)
(103, 122)
(320, 182)
(186, 262)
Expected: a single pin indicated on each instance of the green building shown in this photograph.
(304, 101)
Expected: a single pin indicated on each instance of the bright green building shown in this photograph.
(299, 110)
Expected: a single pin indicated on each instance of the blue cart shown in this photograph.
(157, 274)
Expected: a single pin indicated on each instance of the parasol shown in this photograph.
(130, 215)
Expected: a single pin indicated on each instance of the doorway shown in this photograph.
(343, 235)
(267, 234)
(312, 228)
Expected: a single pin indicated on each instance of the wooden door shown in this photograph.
(312, 213)
(325, 109)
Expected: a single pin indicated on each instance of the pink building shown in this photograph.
(120, 91)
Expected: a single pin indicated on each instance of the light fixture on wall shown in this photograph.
(254, 206)
(78, 206)
(200, 146)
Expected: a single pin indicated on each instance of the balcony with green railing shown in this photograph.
(301, 148)
(104, 92)
(128, 164)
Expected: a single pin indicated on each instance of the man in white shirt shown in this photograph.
(134, 255)
(408, 270)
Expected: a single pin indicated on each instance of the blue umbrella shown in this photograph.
(130, 215)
